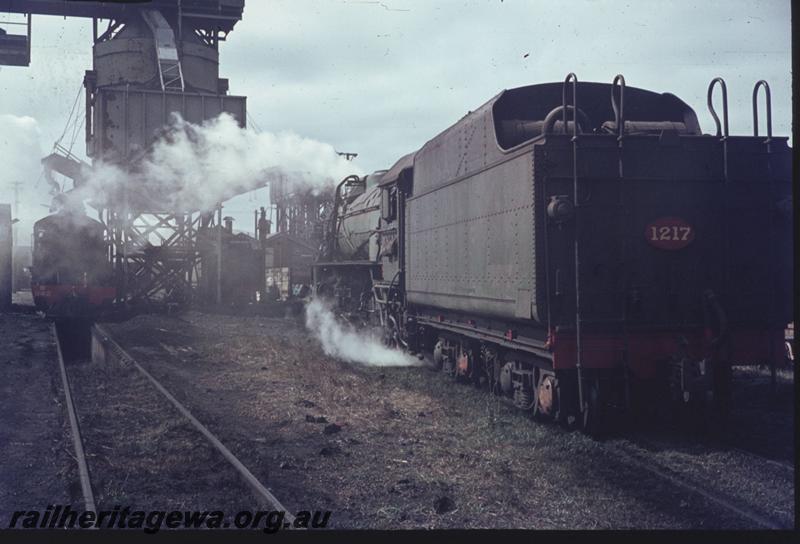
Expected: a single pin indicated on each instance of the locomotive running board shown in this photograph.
(498, 338)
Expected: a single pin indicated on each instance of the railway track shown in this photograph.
(630, 452)
(75, 431)
(789, 469)
(634, 451)
(261, 493)
(680, 479)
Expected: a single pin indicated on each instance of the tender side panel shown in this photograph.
(463, 149)
(470, 243)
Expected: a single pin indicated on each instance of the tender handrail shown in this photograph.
(724, 105)
(619, 111)
(578, 345)
(759, 84)
(570, 77)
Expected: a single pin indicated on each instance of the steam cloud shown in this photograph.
(194, 167)
(20, 151)
(345, 342)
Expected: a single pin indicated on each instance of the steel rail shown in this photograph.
(647, 444)
(780, 464)
(717, 498)
(80, 454)
(257, 487)
(674, 478)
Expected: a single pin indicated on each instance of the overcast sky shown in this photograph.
(382, 78)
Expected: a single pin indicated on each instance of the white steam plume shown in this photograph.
(345, 342)
(197, 166)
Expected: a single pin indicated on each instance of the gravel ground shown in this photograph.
(405, 447)
(141, 451)
(765, 420)
(36, 467)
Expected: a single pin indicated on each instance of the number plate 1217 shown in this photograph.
(669, 233)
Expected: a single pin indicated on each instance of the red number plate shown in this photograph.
(669, 233)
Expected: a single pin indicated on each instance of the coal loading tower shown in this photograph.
(150, 61)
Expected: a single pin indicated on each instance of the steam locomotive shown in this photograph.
(71, 276)
(582, 249)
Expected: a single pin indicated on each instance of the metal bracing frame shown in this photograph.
(298, 218)
(113, 28)
(211, 36)
(299, 214)
(155, 255)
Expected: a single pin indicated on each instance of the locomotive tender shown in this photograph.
(579, 247)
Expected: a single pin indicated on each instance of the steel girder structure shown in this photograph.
(299, 213)
(153, 255)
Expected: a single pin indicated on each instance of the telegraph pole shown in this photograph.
(14, 235)
(346, 155)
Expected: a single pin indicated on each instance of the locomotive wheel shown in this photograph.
(494, 384)
(565, 407)
(546, 397)
(449, 368)
(482, 373)
(463, 368)
(438, 356)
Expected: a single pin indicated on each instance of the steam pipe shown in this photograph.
(334, 214)
(549, 121)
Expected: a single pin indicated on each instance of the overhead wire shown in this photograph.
(77, 129)
(253, 123)
(70, 117)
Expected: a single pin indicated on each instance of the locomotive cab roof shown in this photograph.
(406, 162)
